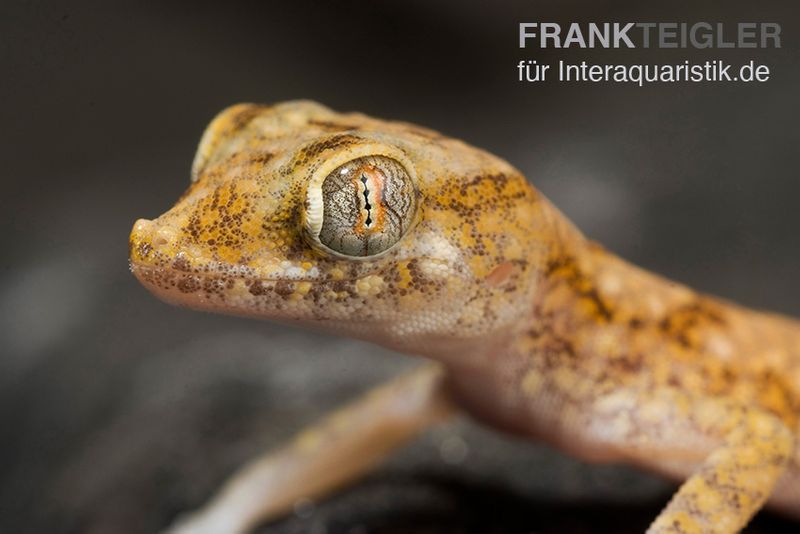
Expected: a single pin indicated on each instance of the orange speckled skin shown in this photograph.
(541, 332)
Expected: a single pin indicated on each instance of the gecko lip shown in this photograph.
(205, 290)
(167, 278)
(154, 256)
(147, 272)
(277, 299)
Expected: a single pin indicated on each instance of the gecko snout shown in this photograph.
(148, 236)
(158, 235)
(142, 227)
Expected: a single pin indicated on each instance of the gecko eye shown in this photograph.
(363, 207)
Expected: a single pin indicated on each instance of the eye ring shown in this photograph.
(361, 208)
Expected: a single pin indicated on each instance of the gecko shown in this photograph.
(396, 234)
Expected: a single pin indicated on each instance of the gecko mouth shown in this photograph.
(167, 271)
(220, 280)
(241, 291)
(279, 290)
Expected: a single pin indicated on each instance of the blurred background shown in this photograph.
(118, 412)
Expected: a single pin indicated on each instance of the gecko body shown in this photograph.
(399, 235)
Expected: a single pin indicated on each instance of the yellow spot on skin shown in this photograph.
(405, 275)
(229, 255)
(748, 456)
(532, 382)
(588, 307)
(692, 380)
(565, 378)
(369, 285)
(303, 288)
(336, 273)
(607, 344)
(239, 288)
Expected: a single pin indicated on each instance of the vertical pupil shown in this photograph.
(367, 205)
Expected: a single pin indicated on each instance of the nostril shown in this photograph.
(164, 235)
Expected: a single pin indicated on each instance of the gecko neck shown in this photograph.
(599, 315)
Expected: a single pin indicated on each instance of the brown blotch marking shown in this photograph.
(214, 286)
(683, 321)
(143, 249)
(260, 157)
(317, 147)
(188, 284)
(425, 133)
(566, 268)
(284, 288)
(602, 308)
(629, 363)
(330, 125)
(562, 345)
(193, 227)
(181, 264)
(315, 295)
(776, 395)
(257, 288)
(242, 119)
(551, 343)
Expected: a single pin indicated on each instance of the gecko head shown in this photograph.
(380, 230)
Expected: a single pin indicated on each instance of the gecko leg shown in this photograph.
(337, 450)
(734, 481)
(734, 455)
